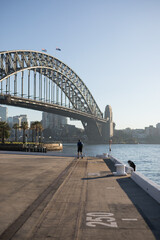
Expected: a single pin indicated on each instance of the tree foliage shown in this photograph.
(24, 126)
(37, 128)
(16, 127)
(4, 131)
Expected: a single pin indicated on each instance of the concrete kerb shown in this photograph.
(149, 186)
(146, 184)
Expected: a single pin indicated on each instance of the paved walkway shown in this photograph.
(65, 198)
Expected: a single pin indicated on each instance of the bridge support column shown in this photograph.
(108, 126)
(93, 131)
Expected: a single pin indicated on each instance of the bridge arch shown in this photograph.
(51, 82)
(14, 62)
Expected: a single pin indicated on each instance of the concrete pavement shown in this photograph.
(65, 198)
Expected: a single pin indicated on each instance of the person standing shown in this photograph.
(79, 148)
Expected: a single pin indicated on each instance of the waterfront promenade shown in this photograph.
(53, 197)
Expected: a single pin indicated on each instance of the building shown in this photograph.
(158, 125)
(19, 119)
(24, 118)
(10, 121)
(50, 120)
(3, 113)
(150, 131)
(158, 128)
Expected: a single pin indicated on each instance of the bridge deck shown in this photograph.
(44, 197)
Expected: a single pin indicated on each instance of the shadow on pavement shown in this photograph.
(145, 204)
(110, 165)
(92, 178)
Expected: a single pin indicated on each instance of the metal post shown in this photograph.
(110, 142)
(49, 90)
(35, 84)
(1, 61)
(6, 85)
(6, 64)
(76, 102)
(69, 96)
(40, 85)
(61, 92)
(1, 87)
(65, 94)
(9, 85)
(44, 88)
(57, 94)
(15, 84)
(28, 84)
(22, 76)
(73, 98)
(54, 94)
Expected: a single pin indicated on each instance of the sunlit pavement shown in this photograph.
(52, 197)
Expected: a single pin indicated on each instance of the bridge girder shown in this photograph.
(82, 102)
(12, 62)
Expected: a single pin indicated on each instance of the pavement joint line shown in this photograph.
(81, 207)
(19, 222)
(33, 230)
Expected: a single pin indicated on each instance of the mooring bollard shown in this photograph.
(120, 170)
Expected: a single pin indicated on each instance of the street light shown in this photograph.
(110, 142)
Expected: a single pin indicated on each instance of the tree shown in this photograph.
(40, 131)
(4, 131)
(16, 127)
(33, 127)
(38, 128)
(24, 126)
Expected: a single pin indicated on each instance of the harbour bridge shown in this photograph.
(36, 80)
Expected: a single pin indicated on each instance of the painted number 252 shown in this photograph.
(100, 218)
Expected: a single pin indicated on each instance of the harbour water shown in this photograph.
(145, 156)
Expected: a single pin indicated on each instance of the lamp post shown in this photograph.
(110, 142)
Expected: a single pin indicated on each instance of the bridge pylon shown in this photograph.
(93, 131)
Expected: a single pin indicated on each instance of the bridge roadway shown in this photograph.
(95, 127)
(50, 197)
(48, 107)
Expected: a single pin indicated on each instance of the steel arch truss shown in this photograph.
(13, 62)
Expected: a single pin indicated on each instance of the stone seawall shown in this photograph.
(12, 147)
(31, 147)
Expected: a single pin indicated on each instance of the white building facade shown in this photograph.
(3, 114)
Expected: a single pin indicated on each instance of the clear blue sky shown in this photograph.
(114, 47)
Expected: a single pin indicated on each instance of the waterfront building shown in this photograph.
(158, 128)
(150, 131)
(16, 119)
(19, 119)
(3, 113)
(158, 125)
(24, 118)
(50, 120)
(10, 121)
